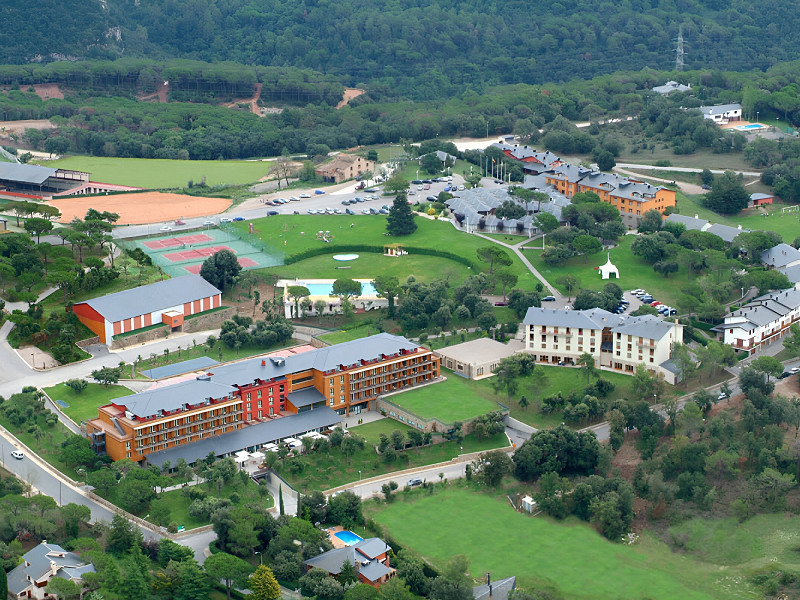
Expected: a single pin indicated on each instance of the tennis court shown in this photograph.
(181, 254)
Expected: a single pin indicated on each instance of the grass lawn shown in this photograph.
(178, 504)
(634, 272)
(372, 431)
(164, 173)
(83, 406)
(48, 446)
(317, 471)
(449, 401)
(570, 556)
(787, 225)
(298, 233)
(347, 335)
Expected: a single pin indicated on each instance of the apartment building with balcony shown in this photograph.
(617, 342)
(763, 321)
(339, 380)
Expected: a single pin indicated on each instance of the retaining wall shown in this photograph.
(198, 323)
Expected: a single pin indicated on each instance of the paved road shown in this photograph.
(684, 169)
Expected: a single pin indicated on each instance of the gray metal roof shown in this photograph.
(780, 255)
(172, 397)
(25, 173)
(726, 232)
(719, 109)
(593, 319)
(691, 223)
(499, 591)
(305, 397)
(793, 273)
(764, 309)
(149, 298)
(758, 196)
(186, 366)
(365, 550)
(37, 563)
(251, 436)
(374, 570)
(372, 547)
(332, 358)
(671, 86)
(646, 326)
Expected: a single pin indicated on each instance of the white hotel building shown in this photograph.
(763, 321)
(617, 342)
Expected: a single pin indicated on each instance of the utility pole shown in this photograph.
(680, 51)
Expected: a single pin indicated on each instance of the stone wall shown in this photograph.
(212, 320)
(88, 342)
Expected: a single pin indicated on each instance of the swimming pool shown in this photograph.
(348, 537)
(750, 127)
(326, 289)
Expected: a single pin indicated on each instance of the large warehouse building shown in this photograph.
(165, 302)
(44, 181)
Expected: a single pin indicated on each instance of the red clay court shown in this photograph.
(244, 262)
(198, 238)
(194, 253)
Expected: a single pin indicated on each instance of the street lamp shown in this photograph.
(756, 116)
(655, 398)
(33, 362)
(359, 474)
(260, 558)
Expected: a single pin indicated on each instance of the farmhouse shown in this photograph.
(39, 565)
(370, 557)
(618, 343)
(344, 167)
(167, 302)
(722, 114)
(285, 396)
(757, 200)
(763, 321)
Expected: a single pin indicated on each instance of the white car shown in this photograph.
(411, 193)
(209, 222)
(166, 228)
(17, 454)
(795, 369)
(419, 188)
(305, 196)
(294, 199)
(312, 211)
(461, 188)
(225, 220)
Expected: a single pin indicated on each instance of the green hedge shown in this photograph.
(311, 253)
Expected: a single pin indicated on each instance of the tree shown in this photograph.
(727, 196)
(665, 267)
(506, 279)
(604, 159)
(396, 183)
(107, 375)
(77, 385)
(387, 287)
(546, 222)
(494, 255)
(586, 245)
(684, 360)
(221, 269)
(63, 589)
(361, 591)
(37, 226)
(707, 177)
(586, 362)
(231, 569)
(570, 283)
(346, 288)
(264, 585)
(430, 163)
(651, 221)
(347, 576)
(509, 210)
(193, 583)
(400, 220)
(792, 342)
(296, 292)
(454, 583)
(768, 365)
(491, 467)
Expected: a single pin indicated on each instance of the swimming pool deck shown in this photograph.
(337, 543)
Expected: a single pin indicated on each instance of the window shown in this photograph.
(331, 402)
(127, 446)
(259, 394)
(259, 404)
(248, 395)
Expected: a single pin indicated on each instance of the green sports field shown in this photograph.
(162, 173)
(297, 233)
(449, 401)
(569, 555)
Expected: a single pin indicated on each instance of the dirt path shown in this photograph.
(349, 94)
(687, 188)
(161, 95)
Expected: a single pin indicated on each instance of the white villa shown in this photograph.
(617, 342)
(763, 321)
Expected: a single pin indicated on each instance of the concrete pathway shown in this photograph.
(685, 169)
(687, 188)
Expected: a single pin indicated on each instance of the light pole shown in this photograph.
(359, 474)
(260, 559)
(655, 399)
(33, 362)
(756, 116)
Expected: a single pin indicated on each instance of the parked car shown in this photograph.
(371, 190)
(17, 454)
(427, 186)
(795, 369)
(722, 396)
(312, 211)
(384, 211)
(461, 188)
(294, 199)
(272, 213)
(373, 211)
(319, 192)
(431, 199)
(705, 186)
(414, 482)
(166, 228)
(209, 222)
(417, 181)
(238, 218)
(305, 196)
(784, 375)
(364, 211)
(549, 299)
(349, 211)
(411, 192)
(225, 220)
(346, 202)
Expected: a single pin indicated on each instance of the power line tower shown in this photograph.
(680, 50)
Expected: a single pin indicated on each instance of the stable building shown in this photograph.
(44, 181)
(168, 302)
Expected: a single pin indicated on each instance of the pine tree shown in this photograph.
(264, 585)
(400, 220)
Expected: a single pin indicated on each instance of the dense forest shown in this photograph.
(422, 49)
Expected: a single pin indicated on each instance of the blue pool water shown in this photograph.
(325, 289)
(348, 537)
(751, 126)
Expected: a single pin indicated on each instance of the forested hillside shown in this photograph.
(418, 48)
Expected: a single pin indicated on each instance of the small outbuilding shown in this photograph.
(477, 359)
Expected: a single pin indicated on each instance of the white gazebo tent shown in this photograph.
(608, 269)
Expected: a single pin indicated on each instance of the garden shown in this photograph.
(79, 399)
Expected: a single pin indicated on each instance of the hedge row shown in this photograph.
(312, 252)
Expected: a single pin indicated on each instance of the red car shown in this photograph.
(654, 304)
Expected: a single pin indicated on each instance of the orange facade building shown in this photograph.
(342, 380)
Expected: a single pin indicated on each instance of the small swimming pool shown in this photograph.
(750, 127)
(326, 289)
(348, 537)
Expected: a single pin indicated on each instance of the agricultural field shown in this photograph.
(569, 556)
(163, 173)
(295, 234)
